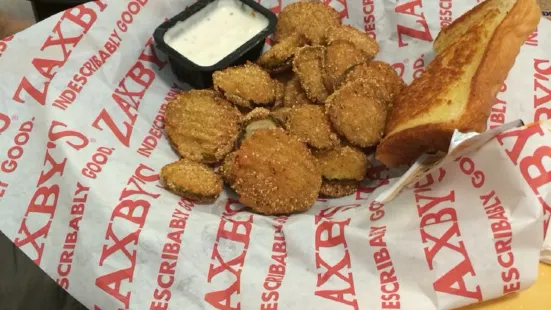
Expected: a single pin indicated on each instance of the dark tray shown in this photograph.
(45, 8)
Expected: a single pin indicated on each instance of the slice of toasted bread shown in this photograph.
(452, 32)
(458, 88)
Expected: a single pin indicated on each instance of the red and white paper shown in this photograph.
(81, 124)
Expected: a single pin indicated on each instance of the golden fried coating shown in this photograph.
(381, 75)
(309, 66)
(226, 167)
(357, 113)
(259, 124)
(310, 124)
(340, 56)
(313, 19)
(255, 115)
(338, 188)
(192, 180)
(283, 77)
(275, 173)
(258, 118)
(279, 94)
(202, 126)
(355, 36)
(246, 86)
(280, 115)
(280, 57)
(343, 163)
(294, 94)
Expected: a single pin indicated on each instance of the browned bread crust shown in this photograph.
(474, 56)
(452, 32)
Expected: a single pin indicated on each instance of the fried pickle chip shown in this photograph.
(309, 66)
(310, 124)
(226, 168)
(257, 125)
(343, 163)
(283, 77)
(311, 18)
(256, 114)
(275, 173)
(381, 75)
(338, 188)
(280, 57)
(294, 94)
(279, 94)
(340, 56)
(258, 118)
(192, 180)
(202, 126)
(355, 36)
(246, 86)
(357, 113)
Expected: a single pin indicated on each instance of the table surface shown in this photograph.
(537, 297)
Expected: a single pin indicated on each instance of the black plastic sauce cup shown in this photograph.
(201, 76)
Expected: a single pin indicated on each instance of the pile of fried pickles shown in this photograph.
(296, 125)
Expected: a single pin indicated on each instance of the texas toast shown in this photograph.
(473, 57)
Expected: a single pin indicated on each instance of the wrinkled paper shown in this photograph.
(81, 125)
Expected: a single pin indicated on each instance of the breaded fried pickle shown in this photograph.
(279, 94)
(247, 85)
(258, 118)
(192, 180)
(275, 173)
(283, 77)
(309, 123)
(343, 163)
(202, 126)
(353, 35)
(381, 75)
(256, 114)
(310, 18)
(338, 188)
(340, 56)
(226, 167)
(280, 57)
(309, 66)
(294, 94)
(357, 113)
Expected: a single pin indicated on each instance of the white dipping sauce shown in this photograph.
(216, 31)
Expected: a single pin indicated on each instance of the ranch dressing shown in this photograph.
(216, 31)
